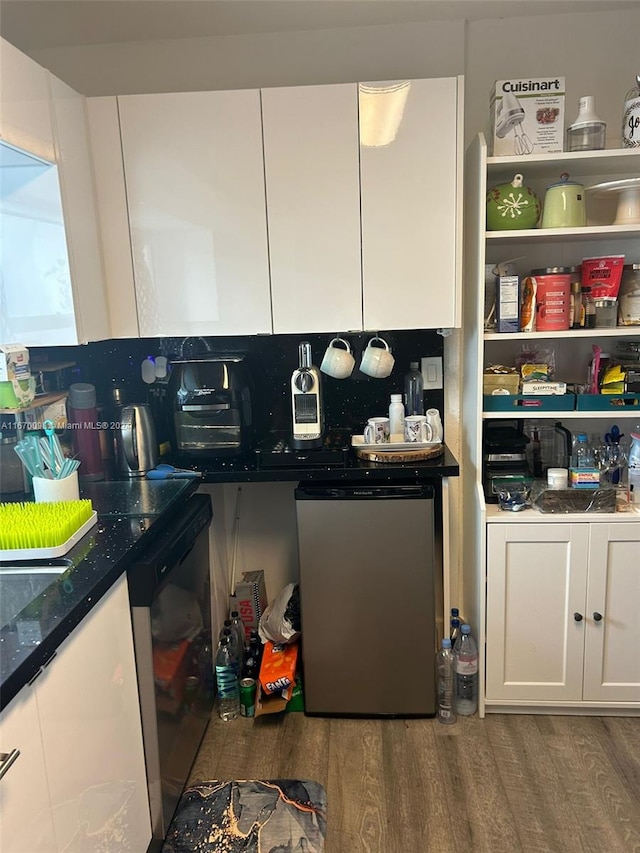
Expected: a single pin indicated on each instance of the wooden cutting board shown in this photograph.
(398, 456)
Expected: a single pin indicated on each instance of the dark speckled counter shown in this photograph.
(130, 516)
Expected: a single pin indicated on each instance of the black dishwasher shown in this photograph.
(170, 596)
(367, 599)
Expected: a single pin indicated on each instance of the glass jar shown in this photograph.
(631, 117)
(629, 296)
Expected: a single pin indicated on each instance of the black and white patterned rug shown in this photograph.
(269, 816)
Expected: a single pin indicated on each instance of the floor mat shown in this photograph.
(270, 816)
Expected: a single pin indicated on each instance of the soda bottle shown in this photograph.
(227, 681)
(465, 654)
(444, 665)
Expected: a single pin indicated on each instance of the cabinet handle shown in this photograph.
(7, 759)
(597, 617)
(577, 617)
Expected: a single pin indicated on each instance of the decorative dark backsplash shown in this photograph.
(271, 359)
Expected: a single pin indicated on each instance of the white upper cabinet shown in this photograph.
(195, 188)
(25, 120)
(79, 211)
(313, 205)
(411, 194)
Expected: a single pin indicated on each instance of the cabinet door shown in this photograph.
(79, 210)
(313, 203)
(26, 825)
(92, 736)
(195, 187)
(536, 582)
(25, 119)
(612, 643)
(410, 193)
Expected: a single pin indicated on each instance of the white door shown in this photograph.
(25, 812)
(194, 178)
(410, 188)
(313, 204)
(92, 734)
(612, 642)
(536, 594)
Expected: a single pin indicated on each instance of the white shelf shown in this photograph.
(617, 332)
(531, 413)
(613, 161)
(496, 515)
(562, 235)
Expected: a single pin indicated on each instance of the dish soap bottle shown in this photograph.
(631, 117)
(413, 388)
(396, 417)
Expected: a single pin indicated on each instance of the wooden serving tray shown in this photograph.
(396, 456)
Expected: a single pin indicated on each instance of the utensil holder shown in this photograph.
(50, 491)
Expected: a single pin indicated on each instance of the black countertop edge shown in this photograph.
(97, 573)
(244, 470)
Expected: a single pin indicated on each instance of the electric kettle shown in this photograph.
(136, 444)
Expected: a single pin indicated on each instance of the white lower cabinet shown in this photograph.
(26, 823)
(88, 730)
(563, 613)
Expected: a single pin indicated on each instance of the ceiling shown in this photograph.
(43, 24)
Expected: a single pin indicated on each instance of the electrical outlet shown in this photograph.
(432, 372)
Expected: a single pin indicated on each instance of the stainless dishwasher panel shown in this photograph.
(170, 596)
(367, 594)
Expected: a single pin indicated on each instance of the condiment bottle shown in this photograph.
(631, 117)
(589, 305)
(83, 422)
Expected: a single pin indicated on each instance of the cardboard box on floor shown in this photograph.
(277, 678)
(250, 599)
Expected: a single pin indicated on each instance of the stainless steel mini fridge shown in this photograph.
(367, 595)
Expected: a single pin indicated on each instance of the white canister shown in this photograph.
(558, 478)
(52, 491)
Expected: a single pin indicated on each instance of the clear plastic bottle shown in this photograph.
(227, 681)
(413, 390)
(238, 626)
(454, 633)
(396, 415)
(465, 654)
(237, 651)
(444, 661)
(582, 456)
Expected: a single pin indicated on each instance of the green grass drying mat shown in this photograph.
(271, 816)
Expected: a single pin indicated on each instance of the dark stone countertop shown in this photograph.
(131, 515)
(246, 470)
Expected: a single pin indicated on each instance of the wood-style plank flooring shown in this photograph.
(537, 784)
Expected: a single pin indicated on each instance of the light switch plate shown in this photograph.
(432, 372)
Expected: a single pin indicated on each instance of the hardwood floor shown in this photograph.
(536, 784)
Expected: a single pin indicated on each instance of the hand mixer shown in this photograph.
(510, 116)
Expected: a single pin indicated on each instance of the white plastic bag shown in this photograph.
(280, 622)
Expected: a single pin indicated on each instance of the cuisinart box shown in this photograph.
(527, 116)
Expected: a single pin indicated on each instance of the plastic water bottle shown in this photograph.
(465, 655)
(634, 468)
(413, 388)
(455, 630)
(237, 646)
(227, 681)
(238, 626)
(396, 415)
(446, 707)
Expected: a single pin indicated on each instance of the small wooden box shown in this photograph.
(500, 382)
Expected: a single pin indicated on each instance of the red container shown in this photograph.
(553, 301)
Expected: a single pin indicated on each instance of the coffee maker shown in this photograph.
(210, 400)
(504, 456)
(306, 401)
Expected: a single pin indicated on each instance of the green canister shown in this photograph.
(247, 697)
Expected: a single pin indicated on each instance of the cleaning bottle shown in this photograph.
(396, 416)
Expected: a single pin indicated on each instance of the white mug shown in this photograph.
(416, 428)
(377, 361)
(338, 362)
(377, 431)
(51, 491)
(433, 419)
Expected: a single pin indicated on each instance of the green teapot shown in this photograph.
(512, 206)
